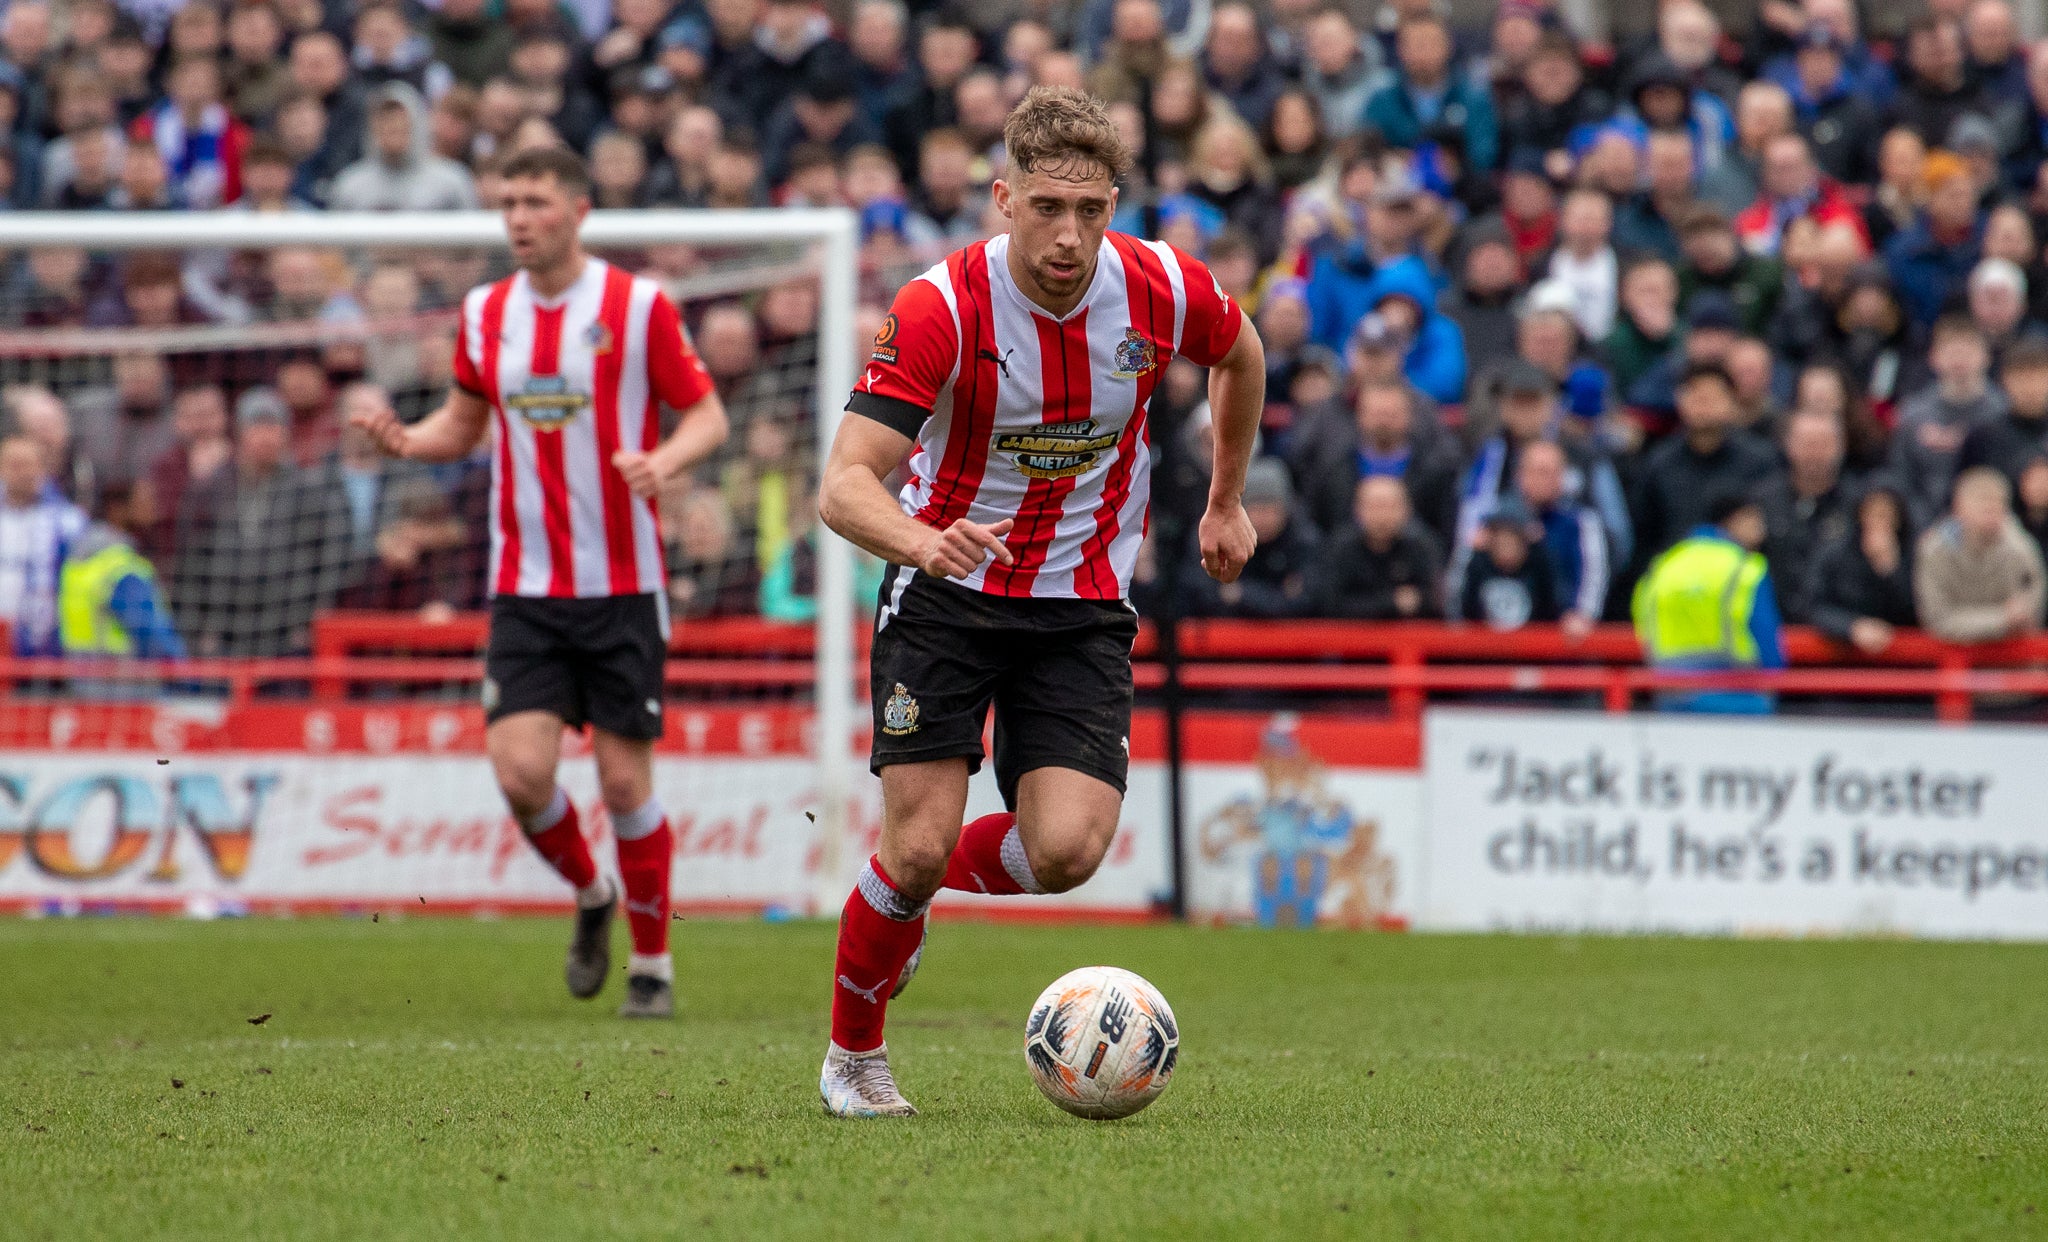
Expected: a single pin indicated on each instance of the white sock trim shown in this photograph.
(633, 825)
(885, 899)
(1018, 863)
(594, 894)
(556, 811)
(659, 965)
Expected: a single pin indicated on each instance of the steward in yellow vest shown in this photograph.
(1707, 603)
(108, 603)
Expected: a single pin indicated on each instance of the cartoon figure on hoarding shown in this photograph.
(1312, 860)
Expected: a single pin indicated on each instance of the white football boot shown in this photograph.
(859, 1084)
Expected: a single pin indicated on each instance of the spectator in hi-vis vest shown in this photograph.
(108, 603)
(1707, 604)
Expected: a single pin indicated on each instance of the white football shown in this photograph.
(1101, 1042)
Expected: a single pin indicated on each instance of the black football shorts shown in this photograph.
(595, 661)
(1058, 672)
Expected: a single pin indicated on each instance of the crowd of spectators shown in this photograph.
(1533, 305)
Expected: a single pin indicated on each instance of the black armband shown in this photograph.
(894, 413)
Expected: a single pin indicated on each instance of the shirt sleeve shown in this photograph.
(913, 360)
(674, 371)
(464, 371)
(1214, 317)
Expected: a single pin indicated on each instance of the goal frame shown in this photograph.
(833, 230)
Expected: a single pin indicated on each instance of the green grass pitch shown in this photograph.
(431, 1079)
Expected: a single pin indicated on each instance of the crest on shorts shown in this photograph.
(598, 337)
(885, 340)
(899, 714)
(1135, 354)
(490, 694)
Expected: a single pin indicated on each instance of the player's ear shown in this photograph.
(1000, 191)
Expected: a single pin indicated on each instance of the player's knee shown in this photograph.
(623, 793)
(527, 782)
(1069, 859)
(917, 868)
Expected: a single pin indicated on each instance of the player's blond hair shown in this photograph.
(1062, 131)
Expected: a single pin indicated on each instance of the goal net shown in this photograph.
(184, 383)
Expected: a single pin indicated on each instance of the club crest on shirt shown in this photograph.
(899, 714)
(885, 340)
(1135, 354)
(598, 337)
(1056, 450)
(547, 402)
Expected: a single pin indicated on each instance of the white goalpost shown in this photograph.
(804, 245)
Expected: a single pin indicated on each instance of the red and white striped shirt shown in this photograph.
(1019, 414)
(571, 380)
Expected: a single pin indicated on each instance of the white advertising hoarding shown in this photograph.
(354, 829)
(1639, 823)
(1289, 821)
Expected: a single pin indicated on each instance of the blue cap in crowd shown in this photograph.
(884, 215)
(1176, 207)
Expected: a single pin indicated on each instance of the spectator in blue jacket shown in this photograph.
(1574, 538)
(37, 528)
(1404, 301)
(1931, 260)
(1428, 94)
(1343, 278)
(1530, 414)
(1865, 73)
(1661, 97)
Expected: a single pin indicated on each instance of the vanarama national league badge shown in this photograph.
(899, 714)
(1135, 355)
(885, 341)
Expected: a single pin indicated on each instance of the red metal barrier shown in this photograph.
(348, 633)
(1405, 661)
(352, 632)
(345, 634)
(1416, 646)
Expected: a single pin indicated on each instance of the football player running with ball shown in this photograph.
(1016, 378)
(563, 363)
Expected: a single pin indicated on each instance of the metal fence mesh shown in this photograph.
(198, 400)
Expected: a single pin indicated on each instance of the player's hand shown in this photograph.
(384, 429)
(959, 550)
(1228, 540)
(640, 471)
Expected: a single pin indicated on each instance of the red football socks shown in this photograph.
(644, 867)
(562, 845)
(977, 862)
(878, 931)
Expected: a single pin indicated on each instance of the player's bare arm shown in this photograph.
(854, 502)
(702, 429)
(1237, 395)
(450, 433)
